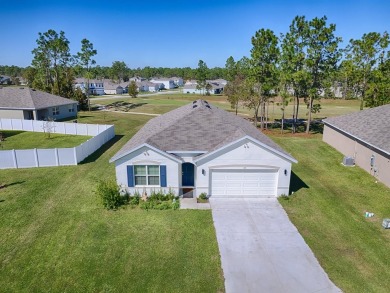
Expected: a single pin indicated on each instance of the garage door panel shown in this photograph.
(243, 183)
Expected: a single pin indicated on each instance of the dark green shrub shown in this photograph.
(109, 194)
(203, 196)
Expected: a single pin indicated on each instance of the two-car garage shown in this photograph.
(259, 183)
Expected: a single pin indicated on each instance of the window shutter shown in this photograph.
(163, 176)
(130, 176)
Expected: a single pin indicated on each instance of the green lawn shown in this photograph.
(159, 104)
(328, 209)
(56, 237)
(30, 140)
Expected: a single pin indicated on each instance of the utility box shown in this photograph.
(348, 161)
(386, 223)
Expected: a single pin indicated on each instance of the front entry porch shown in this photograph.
(187, 180)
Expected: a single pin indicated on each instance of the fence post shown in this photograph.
(14, 157)
(36, 157)
(75, 156)
(57, 158)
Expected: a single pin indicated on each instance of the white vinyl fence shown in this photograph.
(58, 156)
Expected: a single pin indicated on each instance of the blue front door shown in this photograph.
(187, 174)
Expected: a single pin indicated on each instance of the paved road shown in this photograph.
(262, 251)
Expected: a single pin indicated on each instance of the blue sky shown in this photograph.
(173, 33)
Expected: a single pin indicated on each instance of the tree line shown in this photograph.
(307, 63)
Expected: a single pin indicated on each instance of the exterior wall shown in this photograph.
(362, 153)
(16, 114)
(117, 91)
(148, 156)
(239, 157)
(191, 91)
(63, 112)
(168, 84)
(42, 114)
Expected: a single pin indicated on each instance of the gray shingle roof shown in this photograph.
(204, 128)
(27, 98)
(371, 126)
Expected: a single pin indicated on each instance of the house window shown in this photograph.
(147, 175)
(71, 108)
(56, 111)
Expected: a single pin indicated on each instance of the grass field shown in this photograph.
(328, 208)
(159, 104)
(56, 237)
(30, 140)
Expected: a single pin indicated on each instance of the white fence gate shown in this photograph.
(58, 156)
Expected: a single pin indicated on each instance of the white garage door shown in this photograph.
(243, 183)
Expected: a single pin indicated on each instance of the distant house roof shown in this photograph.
(108, 85)
(4, 79)
(197, 126)
(189, 87)
(25, 98)
(85, 80)
(371, 126)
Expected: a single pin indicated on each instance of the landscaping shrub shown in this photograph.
(203, 196)
(158, 200)
(109, 194)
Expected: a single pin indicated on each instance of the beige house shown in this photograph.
(30, 104)
(364, 136)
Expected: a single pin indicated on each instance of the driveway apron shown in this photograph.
(262, 251)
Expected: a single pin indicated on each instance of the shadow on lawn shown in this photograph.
(102, 150)
(10, 184)
(296, 183)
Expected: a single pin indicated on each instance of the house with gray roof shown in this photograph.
(112, 88)
(200, 148)
(364, 136)
(31, 104)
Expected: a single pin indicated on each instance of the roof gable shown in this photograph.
(197, 126)
(370, 126)
(28, 98)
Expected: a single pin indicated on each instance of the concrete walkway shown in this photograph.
(191, 204)
(262, 251)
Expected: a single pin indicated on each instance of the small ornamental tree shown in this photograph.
(133, 91)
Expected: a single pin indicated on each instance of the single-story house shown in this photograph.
(154, 87)
(111, 88)
(167, 82)
(192, 88)
(201, 148)
(178, 81)
(125, 86)
(364, 136)
(31, 104)
(5, 80)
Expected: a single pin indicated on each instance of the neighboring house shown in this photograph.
(111, 88)
(154, 87)
(125, 86)
(201, 148)
(364, 136)
(6, 80)
(28, 103)
(167, 82)
(178, 81)
(137, 79)
(95, 86)
(191, 88)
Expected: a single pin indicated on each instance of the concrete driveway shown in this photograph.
(262, 251)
